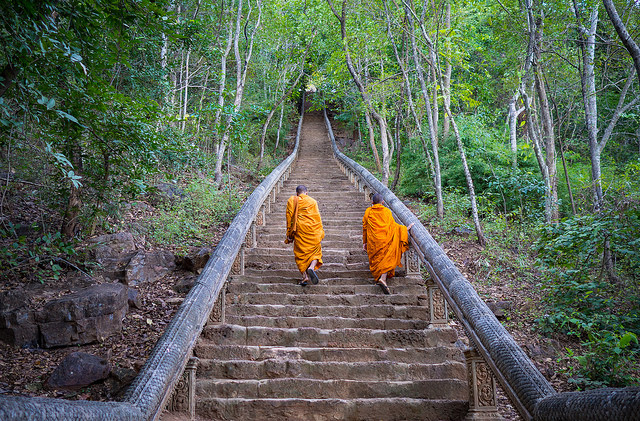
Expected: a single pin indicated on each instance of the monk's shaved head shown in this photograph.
(377, 198)
(301, 189)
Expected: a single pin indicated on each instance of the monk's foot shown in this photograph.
(304, 282)
(313, 276)
(384, 287)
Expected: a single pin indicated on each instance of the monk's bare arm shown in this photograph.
(289, 215)
(364, 229)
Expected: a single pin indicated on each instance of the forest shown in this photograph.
(517, 121)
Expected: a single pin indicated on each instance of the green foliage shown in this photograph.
(191, 219)
(603, 313)
(516, 194)
(41, 258)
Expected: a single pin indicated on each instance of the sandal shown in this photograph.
(313, 276)
(303, 283)
(384, 288)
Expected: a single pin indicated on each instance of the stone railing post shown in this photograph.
(482, 389)
(439, 313)
(238, 264)
(184, 394)
(411, 261)
(261, 217)
(250, 239)
(218, 312)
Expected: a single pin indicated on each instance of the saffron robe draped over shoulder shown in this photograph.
(309, 231)
(386, 240)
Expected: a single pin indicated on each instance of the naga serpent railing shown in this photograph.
(528, 390)
(152, 388)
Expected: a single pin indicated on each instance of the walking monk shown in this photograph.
(304, 229)
(384, 240)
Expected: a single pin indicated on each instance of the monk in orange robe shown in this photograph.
(384, 240)
(305, 231)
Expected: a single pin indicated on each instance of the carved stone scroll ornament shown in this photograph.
(217, 314)
(184, 393)
(237, 268)
(439, 314)
(482, 388)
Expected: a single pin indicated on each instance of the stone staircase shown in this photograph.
(339, 350)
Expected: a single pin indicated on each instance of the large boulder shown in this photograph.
(114, 252)
(194, 261)
(89, 315)
(149, 266)
(17, 321)
(78, 370)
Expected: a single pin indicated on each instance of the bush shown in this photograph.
(582, 302)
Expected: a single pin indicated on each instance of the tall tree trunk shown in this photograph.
(547, 131)
(292, 86)
(70, 220)
(625, 37)
(446, 77)
(433, 130)
(242, 67)
(186, 90)
(463, 158)
(279, 127)
(380, 119)
(513, 128)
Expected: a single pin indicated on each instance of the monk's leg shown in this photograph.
(382, 281)
(311, 271)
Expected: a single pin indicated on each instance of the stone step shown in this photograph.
(330, 272)
(227, 334)
(332, 409)
(294, 277)
(328, 300)
(364, 312)
(286, 262)
(324, 322)
(300, 388)
(434, 355)
(363, 371)
(326, 288)
(353, 237)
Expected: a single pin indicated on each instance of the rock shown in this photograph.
(112, 245)
(170, 191)
(17, 321)
(498, 308)
(460, 231)
(133, 298)
(119, 379)
(194, 262)
(184, 285)
(78, 370)
(85, 316)
(114, 252)
(175, 301)
(149, 266)
(540, 352)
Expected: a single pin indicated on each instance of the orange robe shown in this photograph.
(386, 240)
(309, 231)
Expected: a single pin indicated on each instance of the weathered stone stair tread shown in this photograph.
(437, 354)
(309, 336)
(362, 371)
(330, 300)
(369, 311)
(293, 278)
(323, 288)
(332, 389)
(332, 409)
(324, 322)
